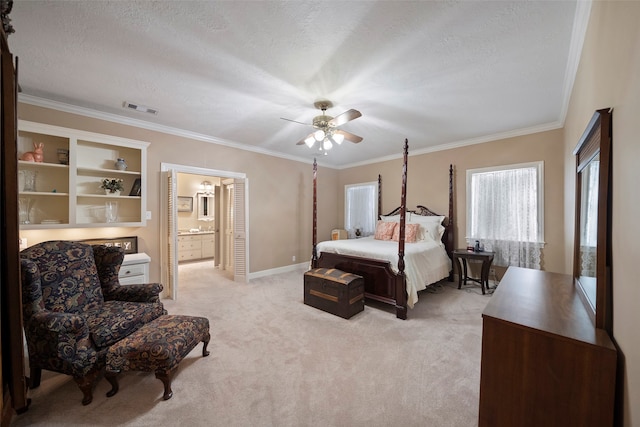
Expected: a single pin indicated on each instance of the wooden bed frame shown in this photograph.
(381, 282)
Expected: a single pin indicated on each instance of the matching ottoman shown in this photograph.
(158, 347)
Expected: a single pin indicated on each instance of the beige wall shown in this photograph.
(428, 182)
(280, 198)
(609, 76)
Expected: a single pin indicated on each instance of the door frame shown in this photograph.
(174, 169)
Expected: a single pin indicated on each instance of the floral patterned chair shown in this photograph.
(74, 308)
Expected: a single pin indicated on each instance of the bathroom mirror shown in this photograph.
(206, 207)
(592, 239)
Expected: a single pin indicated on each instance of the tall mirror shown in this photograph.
(206, 207)
(592, 249)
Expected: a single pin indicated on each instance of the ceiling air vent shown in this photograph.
(141, 108)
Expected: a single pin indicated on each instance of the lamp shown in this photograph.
(206, 187)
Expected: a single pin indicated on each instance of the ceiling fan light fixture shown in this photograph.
(310, 140)
(327, 132)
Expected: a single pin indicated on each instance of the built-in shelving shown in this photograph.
(69, 195)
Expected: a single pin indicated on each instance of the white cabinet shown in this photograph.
(57, 195)
(134, 269)
(196, 246)
(208, 245)
(189, 247)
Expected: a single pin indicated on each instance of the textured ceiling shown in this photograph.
(438, 73)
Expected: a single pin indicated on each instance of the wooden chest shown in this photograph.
(334, 291)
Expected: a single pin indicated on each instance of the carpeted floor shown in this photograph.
(277, 362)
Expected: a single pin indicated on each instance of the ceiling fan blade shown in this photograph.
(301, 142)
(345, 117)
(295, 121)
(349, 136)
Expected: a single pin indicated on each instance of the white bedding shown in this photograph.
(426, 261)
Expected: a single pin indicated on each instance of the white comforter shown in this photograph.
(426, 261)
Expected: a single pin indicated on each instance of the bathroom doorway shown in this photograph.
(204, 221)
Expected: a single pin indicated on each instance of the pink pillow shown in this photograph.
(410, 233)
(384, 230)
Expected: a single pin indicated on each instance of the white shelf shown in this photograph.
(71, 193)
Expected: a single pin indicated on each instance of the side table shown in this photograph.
(460, 257)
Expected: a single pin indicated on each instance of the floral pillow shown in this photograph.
(410, 233)
(384, 230)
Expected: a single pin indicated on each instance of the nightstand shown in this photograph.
(460, 257)
(134, 269)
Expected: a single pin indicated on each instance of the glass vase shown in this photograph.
(24, 210)
(27, 180)
(111, 211)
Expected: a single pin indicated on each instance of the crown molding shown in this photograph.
(115, 118)
(87, 112)
(578, 34)
(449, 146)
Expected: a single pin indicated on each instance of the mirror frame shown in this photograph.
(595, 140)
(211, 216)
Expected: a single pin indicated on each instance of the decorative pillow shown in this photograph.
(390, 218)
(410, 233)
(384, 230)
(431, 226)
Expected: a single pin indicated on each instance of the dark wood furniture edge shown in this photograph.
(543, 361)
(14, 382)
(314, 254)
(595, 139)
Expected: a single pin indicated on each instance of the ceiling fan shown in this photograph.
(327, 133)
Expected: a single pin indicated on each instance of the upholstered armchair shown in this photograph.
(74, 308)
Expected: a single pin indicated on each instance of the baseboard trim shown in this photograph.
(286, 269)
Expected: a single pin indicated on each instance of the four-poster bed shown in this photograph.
(388, 276)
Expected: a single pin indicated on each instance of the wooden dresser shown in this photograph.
(543, 361)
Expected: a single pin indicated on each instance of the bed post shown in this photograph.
(379, 197)
(314, 253)
(450, 237)
(401, 287)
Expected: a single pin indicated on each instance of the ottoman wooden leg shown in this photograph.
(86, 384)
(111, 377)
(205, 352)
(165, 377)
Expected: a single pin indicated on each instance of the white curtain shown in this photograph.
(590, 177)
(360, 209)
(589, 215)
(504, 215)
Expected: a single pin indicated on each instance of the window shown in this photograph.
(361, 208)
(505, 212)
